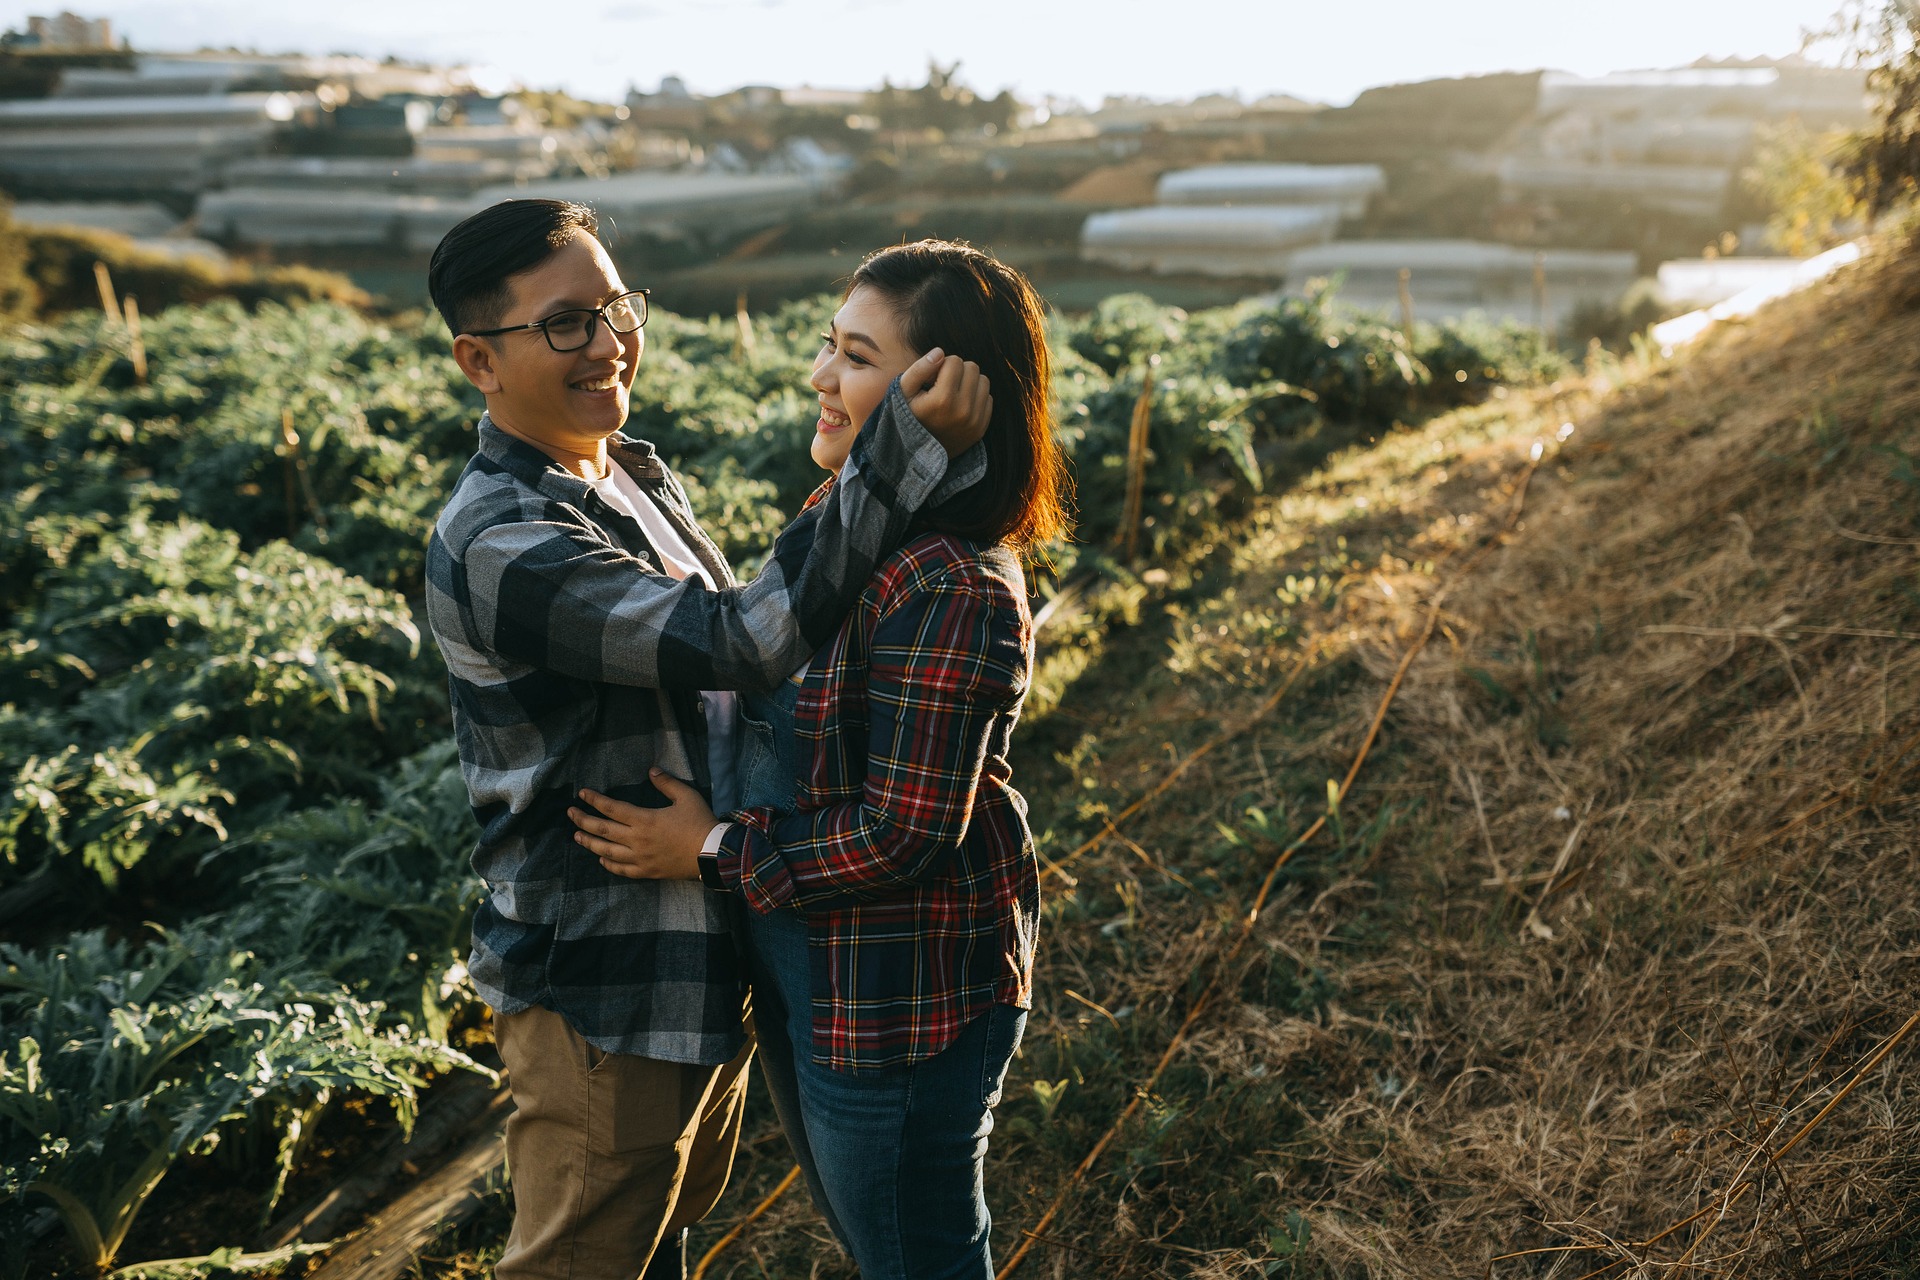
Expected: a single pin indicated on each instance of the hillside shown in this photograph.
(1613, 906)
(1620, 901)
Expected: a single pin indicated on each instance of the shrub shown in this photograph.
(57, 266)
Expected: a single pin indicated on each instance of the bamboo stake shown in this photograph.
(289, 446)
(745, 343)
(1542, 320)
(700, 1270)
(135, 347)
(109, 303)
(296, 464)
(1406, 302)
(1133, 510)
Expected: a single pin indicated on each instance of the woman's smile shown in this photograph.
(860, 356)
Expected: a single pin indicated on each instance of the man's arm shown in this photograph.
(550, 595)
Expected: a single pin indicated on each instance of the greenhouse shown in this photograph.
(1247, 240)
(1449, 278)
(1346, 186)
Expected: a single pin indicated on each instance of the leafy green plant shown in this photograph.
(175, 674)
(377, 897)
(121, 1060)
(1287, 1242)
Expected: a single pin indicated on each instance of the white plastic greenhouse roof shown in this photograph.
(94, 113)
(1271, 184)
(1457, 277)
(345, 215)
(1243, 240)
(1706, 281)
(1452, 256)
(1246, 226)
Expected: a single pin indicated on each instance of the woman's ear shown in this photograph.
(478, 359)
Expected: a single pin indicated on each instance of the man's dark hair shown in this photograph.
(473, 262)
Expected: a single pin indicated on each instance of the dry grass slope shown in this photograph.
(1627, 893)
(1623, 899)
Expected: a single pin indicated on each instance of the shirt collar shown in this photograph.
(536, 470)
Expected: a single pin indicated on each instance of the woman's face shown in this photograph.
(859, 358)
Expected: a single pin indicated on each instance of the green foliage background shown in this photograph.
(226, 748)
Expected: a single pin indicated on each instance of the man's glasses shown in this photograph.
(574, 329)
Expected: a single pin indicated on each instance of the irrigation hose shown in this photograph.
(1058, 866)
(720, 1245)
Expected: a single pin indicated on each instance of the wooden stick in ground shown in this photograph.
(109, 300)
(1134, 508)
(466, 1108)
(1406, 302)
(288, 451)
(289, 447)
(1542, 320)
(290, 442)
(136, 348)
(393, 1241)
(744, 323)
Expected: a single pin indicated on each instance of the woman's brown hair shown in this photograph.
(970, 304)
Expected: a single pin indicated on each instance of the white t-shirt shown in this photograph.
(679, 562)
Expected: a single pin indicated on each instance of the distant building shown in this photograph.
(672, 108)
(64, 31)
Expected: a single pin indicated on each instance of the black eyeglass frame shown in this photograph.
(594, 316)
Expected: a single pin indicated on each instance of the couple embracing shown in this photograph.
(698, 796)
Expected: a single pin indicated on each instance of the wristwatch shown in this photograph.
(709, 858)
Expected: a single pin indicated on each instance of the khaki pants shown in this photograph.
(608, 1153)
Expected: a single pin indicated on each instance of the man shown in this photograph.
(590, 630)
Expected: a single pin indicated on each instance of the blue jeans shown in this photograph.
(893, 1157)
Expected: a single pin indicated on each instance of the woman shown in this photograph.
(885, 860)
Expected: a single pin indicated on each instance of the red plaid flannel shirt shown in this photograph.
(908, 850)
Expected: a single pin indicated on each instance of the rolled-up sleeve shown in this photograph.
(554, 595)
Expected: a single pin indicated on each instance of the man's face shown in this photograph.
(570, 399)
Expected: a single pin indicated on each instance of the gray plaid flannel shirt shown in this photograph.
(573, 661)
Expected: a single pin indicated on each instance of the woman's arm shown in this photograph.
(541, 592)
(944, 662)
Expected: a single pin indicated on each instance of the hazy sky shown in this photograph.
(1328, 50)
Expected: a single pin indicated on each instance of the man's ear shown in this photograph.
(478, 359)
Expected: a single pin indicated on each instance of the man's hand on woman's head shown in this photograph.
(951, 397)
(647, 844)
